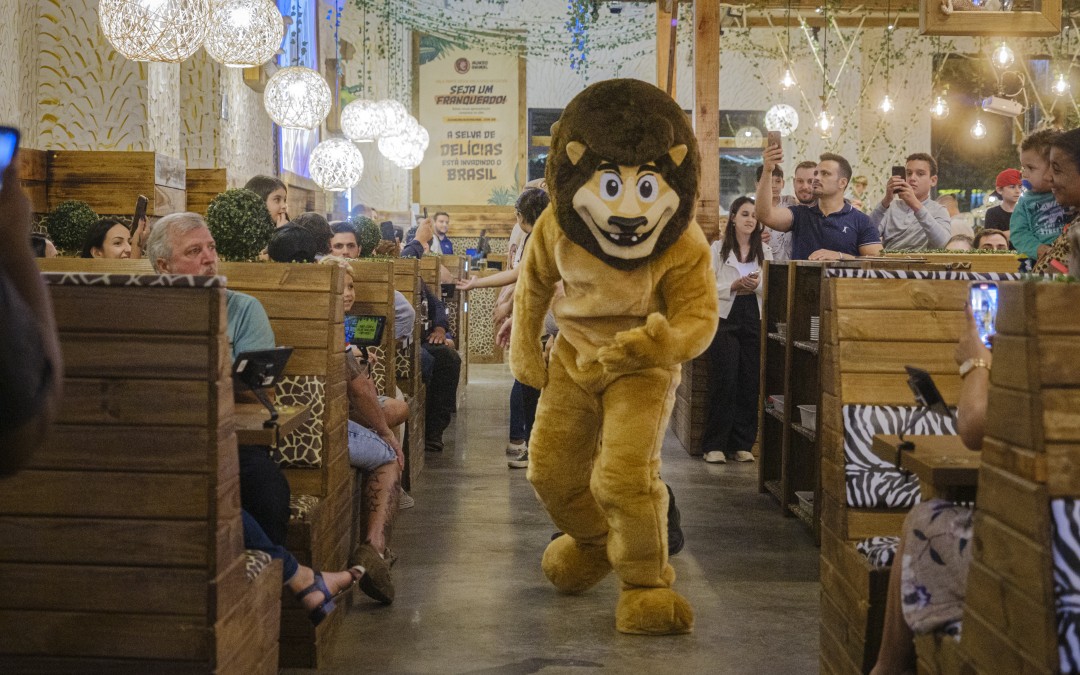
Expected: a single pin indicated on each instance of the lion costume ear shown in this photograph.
(555, 128)
(575, 151)
(678, 154)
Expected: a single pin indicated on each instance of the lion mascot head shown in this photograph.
(623, 171)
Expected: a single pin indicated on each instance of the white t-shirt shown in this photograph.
(515, 246)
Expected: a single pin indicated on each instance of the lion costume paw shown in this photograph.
(653, 611)
(573, 568)
(639, 348)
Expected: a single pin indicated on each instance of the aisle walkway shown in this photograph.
(471, 597)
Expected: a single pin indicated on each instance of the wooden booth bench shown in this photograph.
(873, 323)
(407, 360)
(121, 545)
(457, 306)
(1021, 609)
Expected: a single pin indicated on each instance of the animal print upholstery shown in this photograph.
(404, 360)
(378, 371)
(452, 313)
(871, 481)
(879, 551)
(254, 563)
(106, 279)
(848, 273)
(302, 506)
(481, 331)
(462, 244)
(1065, 532)
(303, 448)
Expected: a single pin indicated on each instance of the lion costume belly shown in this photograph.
(605, 403)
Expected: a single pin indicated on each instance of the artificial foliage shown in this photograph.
(240, 223)
(368, 234)
(68, 223)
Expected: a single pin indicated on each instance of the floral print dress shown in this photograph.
(937, 554)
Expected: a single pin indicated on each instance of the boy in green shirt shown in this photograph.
(1037, 220)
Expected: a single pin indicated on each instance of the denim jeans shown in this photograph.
(255, 538)
(523, 399)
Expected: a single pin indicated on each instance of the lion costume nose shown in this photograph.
(627, 224)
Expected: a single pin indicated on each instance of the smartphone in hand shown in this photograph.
(9, 143)
(899, 172)
(140, 212)
(984, 304)
(774, 138)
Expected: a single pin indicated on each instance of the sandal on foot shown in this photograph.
(323, 610)
(357, 573)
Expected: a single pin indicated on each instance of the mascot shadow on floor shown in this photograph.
(640, 299)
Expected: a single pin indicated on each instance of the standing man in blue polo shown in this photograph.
(831, 229)
(442, 230)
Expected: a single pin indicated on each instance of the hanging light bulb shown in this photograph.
(297, 98)
(336, 164)
(886, 105)
(788, 80)
(154, 30)
(1003, 57)
(978, 131)
(244, 33)
(825, 123)
(940, 109)
(1061, 85)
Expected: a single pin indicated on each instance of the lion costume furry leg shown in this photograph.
(608, 497)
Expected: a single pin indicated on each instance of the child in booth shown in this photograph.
(734, 355)
(1038, 220)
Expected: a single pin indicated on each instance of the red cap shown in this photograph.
(1008, 177)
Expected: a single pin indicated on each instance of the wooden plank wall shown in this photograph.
(468, 221)
(110, 182)
(136, 495)
(202, 186)
(34, 176)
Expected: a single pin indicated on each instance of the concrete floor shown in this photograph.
(471, 597)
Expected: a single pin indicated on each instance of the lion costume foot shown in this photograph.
(653, 611)
(572, 568)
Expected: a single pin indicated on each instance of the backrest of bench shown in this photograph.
(136, 492)
(373, 285)
(1025, 556)
(95, 265)
(874, 322)
(303, 302)
(407, 282)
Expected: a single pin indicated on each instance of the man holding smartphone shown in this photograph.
(906, 217)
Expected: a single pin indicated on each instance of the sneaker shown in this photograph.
(514, 449)
(715, 457)
(675, 540)
(376, 582)
(521, 461)
(405, 501)
(743, 456)
(390, 557)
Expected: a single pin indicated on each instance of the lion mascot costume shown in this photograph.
(640, 299)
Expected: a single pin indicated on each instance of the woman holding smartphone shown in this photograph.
(735, 353)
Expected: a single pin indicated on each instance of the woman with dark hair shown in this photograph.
(274, 193)
(735, 353)
(107, 238)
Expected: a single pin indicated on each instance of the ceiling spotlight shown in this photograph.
(1003, 57)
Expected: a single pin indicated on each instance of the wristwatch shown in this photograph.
(971, 364)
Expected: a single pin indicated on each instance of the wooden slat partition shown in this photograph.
(110, 182)
(374, 288)
(139, 502)
(34, 176)
(407, 282)
(203, 185)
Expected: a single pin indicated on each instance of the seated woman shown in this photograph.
(107, 238)
(926, 593)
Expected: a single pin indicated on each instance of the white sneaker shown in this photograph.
(515, 449)
(521, 461)
(715, 457)
(405, 501)
(743, 456)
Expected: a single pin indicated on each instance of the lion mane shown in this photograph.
(627, 122)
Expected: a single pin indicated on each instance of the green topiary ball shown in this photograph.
(68, 223)
(240, 223)
(368, 234)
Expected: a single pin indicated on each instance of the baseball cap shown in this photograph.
(1008, 177)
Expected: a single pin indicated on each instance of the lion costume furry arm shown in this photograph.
(687, 325)
(532, 297)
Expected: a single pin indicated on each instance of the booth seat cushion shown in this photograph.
(105, 279)
(1066, 549)
(404, 360)
(302, 506)
(848, 273)
(303, 448)
(878, 551)
(872, 482)
(378, 371)
(254, 563)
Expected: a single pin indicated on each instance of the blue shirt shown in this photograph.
(446, 245)
(844, 231)
(248, 326)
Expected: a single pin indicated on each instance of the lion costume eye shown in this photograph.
(610, 186)
(647, 188)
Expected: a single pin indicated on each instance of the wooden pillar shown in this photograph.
(707, 111)
(664, 52)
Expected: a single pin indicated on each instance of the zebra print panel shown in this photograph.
(872, 482)
(842, 273)
(879, 551)
(1065, 517)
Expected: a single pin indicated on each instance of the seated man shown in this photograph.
(182, 244)
(440, 364)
